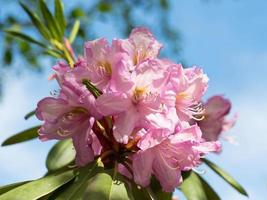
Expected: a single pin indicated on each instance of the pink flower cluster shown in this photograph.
(123, 101)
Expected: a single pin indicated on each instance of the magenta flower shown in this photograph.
(166, 155)
(215, 122)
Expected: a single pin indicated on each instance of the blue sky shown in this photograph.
(228, 39)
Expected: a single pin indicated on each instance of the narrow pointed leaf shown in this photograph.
(74, 31)
(6, 188)
(60, 155)
(25, 37)
(195, 187)
(54, 53)
(52, 24)
(39, 188)
(227, 177)
(37, 22)
(22, 136)
(30, 114)
(59, 15)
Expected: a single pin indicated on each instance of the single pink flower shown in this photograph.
(214, 123)
(188, 86)
(166, 155)
(140, 45)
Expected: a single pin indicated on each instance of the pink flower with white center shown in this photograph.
(215, 122)
(166, 155)
(134, 100)
(188, 86)
(140, 45)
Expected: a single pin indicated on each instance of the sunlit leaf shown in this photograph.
(59, 15)
(54, 53)
(195, 187)
(60, 155)
(39, 188)
(227, 177)
(95, 182)
(37, 22)
(23, 36)
(6, 188)
(22, 136)
(74, 31)
(30, 114)
(52, 24)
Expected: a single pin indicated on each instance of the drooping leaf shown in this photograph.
(227, 177)
(6, 188)
(37, 22)
(95, 182)
(39, 188)
(74, 31)
(195, 187)
(30, 114)
(60, 155)
(22, 136)
(52, 24)
(59, 15)
(25, 37)
(8, 56)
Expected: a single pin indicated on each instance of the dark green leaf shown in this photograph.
(39, 188)
(25, 37)
(227, 177)
(209, 191)
(30, 114)
(74, 31)
(22, 136)
(104, 7)
(6, 188)
(77, 12)
(59, 15)
(157, 190)
(37, 22)
(95, 182)
(60, 155)
(8, 56)
(52, 24)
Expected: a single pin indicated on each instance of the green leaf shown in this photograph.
(74, 31)
(60, 155)
(95, 182)
(227, 177)
(157, 190)
(39, 188)
(59, 15)
(6, 188)
(37, 22)
(54, 53)
(104, 7)
(22, 136)
(209, 191)
(25, 37)
(30, 114)
(52, 24)
(192, 187)
(8, 56)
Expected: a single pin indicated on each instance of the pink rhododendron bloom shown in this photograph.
(167, 155)
(216, 110)
(121, 103)
(68, 116)
(133, 105)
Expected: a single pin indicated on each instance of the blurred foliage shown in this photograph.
(122, 15)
